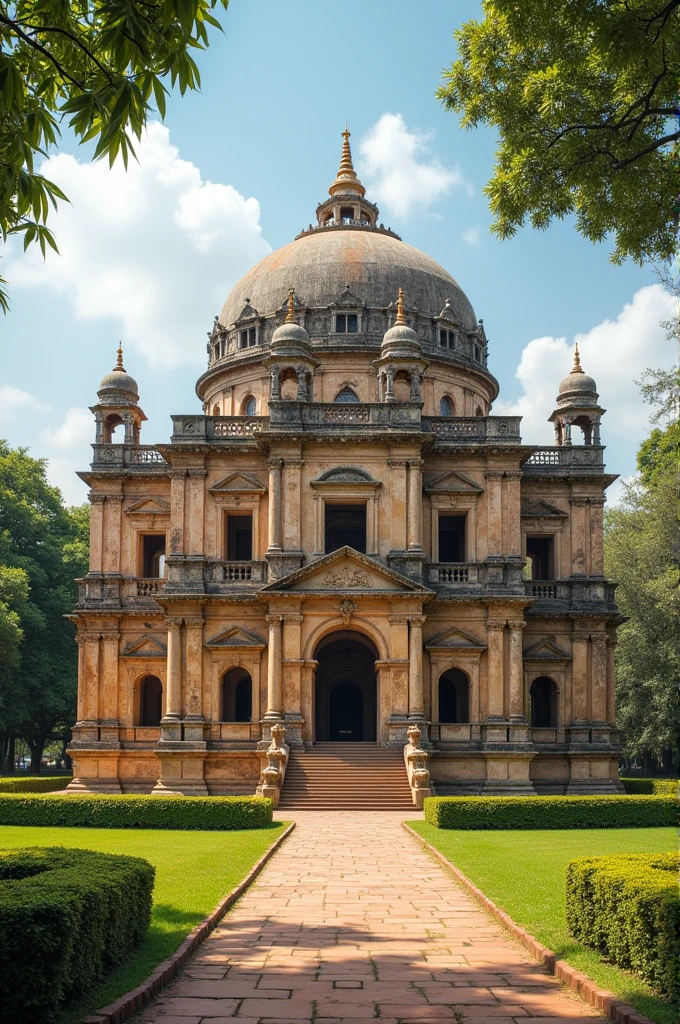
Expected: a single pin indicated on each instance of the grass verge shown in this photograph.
(194, 870)
(524, 874)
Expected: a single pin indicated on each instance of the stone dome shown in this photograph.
(117, 380)
(320, 264)
(577, 388)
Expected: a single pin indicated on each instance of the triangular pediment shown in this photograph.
(348, 299)
(235, 636)
(453, 482)
(455, 639)
(238, 483)
(545, 650)
(537, 507)
(345, 571)
(247, 313)
(146, 646)
(149, 507)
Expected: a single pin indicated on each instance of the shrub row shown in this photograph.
(535, 812)
(211, 813)
(628, 908)
(34, 783)
(656, 787)
(67, 917)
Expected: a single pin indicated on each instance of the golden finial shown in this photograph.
(346, 179)
(119, 360)
(290, 317)
(577, 361)
(400, 321)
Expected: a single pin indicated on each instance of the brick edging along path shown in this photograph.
(581, 984)
(137, 998)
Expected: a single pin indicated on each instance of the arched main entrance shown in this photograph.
(345, 693)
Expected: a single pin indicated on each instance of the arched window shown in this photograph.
(446, 406)
(111, 424)
(454, 697)
(478, 411)
(249, 406)
(237, 696)
(543, 697)
(151, 701)
(216, 410)
(346, 396)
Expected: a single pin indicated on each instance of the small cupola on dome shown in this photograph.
(400, 358)
(347, 206)
(118, 396)
(291, 357)
(577, 406)
(290, 334)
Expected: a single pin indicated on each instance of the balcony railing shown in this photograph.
(127, 456)
(565, 460)
(542, 590)
(149, 587)
(453, 572)
(466, 429)
(237, 572)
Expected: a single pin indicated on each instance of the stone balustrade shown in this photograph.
(127, 456)
(565, 461)
(236, 572)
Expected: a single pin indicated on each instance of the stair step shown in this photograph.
(346, 776)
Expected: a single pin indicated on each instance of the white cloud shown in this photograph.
(13, 401)
(67, 449)
(472, 236)
(395, 162)
(615, 353)
(157, 248)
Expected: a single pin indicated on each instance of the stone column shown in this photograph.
(196, 501)
(611, 687)
(415, 505)
(397, 504)
(173, 699)
(599, 678)
(274, 712)
(112, 538)
(517, 710)
(494, 511)
(176, 546)
(597, 536)
(275, 505)
(80, 710)
(96, 532)
(416, 701)
(109, 681)
(579, 678)
(194, 683)
(578, 536)
(494, 669)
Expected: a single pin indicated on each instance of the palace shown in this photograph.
(346, 547)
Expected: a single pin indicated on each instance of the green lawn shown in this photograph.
(193, 871)
(524, 874)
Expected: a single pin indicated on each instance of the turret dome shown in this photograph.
(117, 381)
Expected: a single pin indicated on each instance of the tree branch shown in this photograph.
(74, 39)
(41, 49)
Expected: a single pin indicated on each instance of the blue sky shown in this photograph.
(150, 259)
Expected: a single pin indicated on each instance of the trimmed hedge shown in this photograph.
(538, 812)
(628, 908)
(67, 917)
(656, 787)
(34, 783)
(209, 813)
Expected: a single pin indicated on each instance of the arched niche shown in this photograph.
(454, 697)
(345, 688)
(543, 701)
(237, 696)
(150, 701)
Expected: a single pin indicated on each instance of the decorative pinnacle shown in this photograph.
(119, 360)
(577, 361)
(400, 321)
(290, 317)
(346, 179)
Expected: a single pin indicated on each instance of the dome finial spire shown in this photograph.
(290, 316)
(346, 179)
(577, 361)
(119, 360)
(400, 321)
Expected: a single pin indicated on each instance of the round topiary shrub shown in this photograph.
(67, 917)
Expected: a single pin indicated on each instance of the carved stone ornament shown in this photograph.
(346, 609)
(278, 733)
(414, 733)
(346, 578)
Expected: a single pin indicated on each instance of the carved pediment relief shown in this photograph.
(347, 299)
(149, 507)
(346, 475)
(345, 570)
(247, 313)
(537, 507)
(453, 482)
(146, 646)
(546, 650)
(455, 639)
(238, 483)
(236, 637)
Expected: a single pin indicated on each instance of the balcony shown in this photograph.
(474, 429)
(562, 461)
(148, 587)
(236, 572)
(453, 572)
(573, 594)
(140, 457)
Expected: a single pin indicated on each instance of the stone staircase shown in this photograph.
(346, 776)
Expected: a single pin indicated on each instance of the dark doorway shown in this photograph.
(540, 554)
(345, 690)
(346, 524)
(151, 702)
(451, 538)
(543, 698)
(454, 697)
(153, 556)
(239, 538)
(237, 696)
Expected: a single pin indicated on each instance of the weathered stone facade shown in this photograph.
(348, 542)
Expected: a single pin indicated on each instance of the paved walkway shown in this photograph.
(352, 920)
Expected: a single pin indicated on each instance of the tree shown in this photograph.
(582, 93)
(98, 64)
(43, 547)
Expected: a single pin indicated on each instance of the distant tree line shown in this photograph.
(43, 548)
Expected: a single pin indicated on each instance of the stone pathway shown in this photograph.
(352, 920)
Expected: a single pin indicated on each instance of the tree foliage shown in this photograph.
(583, 96)
(43, 547)
(98, 65)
